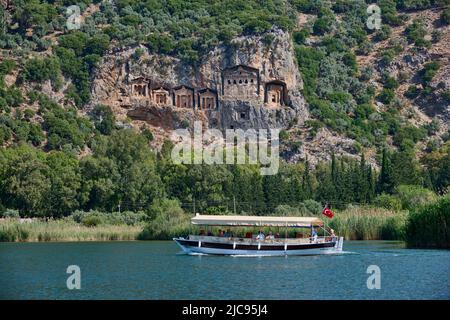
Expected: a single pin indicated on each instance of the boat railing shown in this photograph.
(268, 241)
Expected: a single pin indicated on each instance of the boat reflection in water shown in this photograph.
(260, 245)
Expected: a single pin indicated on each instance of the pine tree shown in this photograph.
(363, 186)
(350, 178)
(371, 184)
(324, 183)
(306, 182)
(386, 179)
(334, 170)
(335, 186)
(273, 191)
(406, 168)
(297, 190)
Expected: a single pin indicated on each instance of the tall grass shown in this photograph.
(64, 230)
(429, 226)
(356, 223)
(153, 233)
(367, 223)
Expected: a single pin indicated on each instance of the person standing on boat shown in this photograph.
(314, 234)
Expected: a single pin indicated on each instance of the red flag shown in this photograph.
(328, 212)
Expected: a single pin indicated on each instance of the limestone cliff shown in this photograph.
(271, 53)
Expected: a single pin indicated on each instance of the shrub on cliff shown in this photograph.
(416, 32)
(40, 70)
(324, 22)
(104, 119)
(429, 71)
(445, 17)
(386, 96)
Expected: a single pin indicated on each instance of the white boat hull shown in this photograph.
(190, 247)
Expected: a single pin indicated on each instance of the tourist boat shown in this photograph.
(252, 246)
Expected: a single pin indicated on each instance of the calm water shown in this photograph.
(154, 270)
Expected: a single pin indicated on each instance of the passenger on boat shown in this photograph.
(221, 234)
(332, 233)
(260, 235)
(210, 234)
(270, 236)
(314, 235)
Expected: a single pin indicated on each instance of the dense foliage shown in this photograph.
(122, 173)
(428, 226)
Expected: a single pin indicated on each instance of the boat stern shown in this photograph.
(339, 244)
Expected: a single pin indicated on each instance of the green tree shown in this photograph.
(247, 189)
(386, 182)
(65, 180)
(445, 16)
(104, 119)
(122, 171)
(167, 220)
(414, 197)
(40, 70)
(405, 168)
(24, 182)
(307, 183)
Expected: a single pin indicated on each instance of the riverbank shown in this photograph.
(12, 230)
(354, 223)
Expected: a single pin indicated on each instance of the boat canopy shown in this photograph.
(225, 220)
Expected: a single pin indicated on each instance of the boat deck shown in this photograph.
(250, 241)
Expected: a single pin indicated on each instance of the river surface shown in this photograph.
(157, 270)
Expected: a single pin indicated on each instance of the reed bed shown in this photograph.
(64, 230)
(149, 233)
(356, 223)
(369, 223)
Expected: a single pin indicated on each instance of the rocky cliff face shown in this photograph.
(410, 64)
(272, 54)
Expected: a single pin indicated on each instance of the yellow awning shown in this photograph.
(225, 220)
